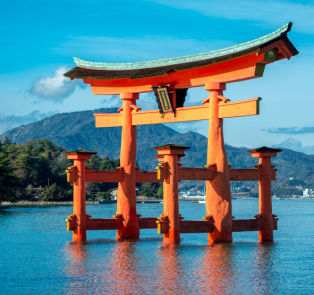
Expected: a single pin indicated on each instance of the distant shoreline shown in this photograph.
(46, 204)
(43, 204)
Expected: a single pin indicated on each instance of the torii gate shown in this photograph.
(169, 79)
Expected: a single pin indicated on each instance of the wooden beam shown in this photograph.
(245, 174)
(195, 174)
(108, 120)
(71, 224)
(248, 174)
(184, 174)
(275, 223)
(241, 108)
(104, 176)
(196, 226)
(99, 90)
(252, 72)
(103, 224)
(246, 225)
(226, 110)
(148, 176)
(71, 176)
(184, 114)
(147, 222)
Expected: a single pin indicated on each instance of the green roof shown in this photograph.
(264, 149)
(171, 146)
(184, 59)
(79, 151)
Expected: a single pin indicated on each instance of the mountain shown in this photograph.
(295, 145)
(72, 130)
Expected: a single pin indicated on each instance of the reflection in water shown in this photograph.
(151, 267)
(265, 275)
(170, 270)
(127, 274)
(77, 257)
(215, 274)
(36, 259)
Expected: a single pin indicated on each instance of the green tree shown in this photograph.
(9, 182)
(106, 195)
(105, 164)
(52, 193)
(151, 189)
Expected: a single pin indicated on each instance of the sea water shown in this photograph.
(37, 255)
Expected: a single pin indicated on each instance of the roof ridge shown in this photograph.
(183, 59)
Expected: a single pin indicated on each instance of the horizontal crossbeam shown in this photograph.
(226, 110)
(201, 174)
(147, 222)
(248, 174)
(147, 176)
(246, 225)
(96, 224)
(196, 174)
(103, 224)
(104, 176)
(186, 226)
(196, 226)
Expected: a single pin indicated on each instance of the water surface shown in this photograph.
(37, 255)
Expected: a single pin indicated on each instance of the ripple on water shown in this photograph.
(37, 255)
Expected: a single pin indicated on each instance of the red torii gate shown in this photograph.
(174, 76)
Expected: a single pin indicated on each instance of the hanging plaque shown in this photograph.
(164, 99)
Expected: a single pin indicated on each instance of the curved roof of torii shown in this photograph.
(146, 69)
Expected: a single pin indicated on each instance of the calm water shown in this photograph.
(37, 255)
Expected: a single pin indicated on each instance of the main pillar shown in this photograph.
(171, 153)
(265, 205)
(218, 194)
(79, 197)
(126, 204)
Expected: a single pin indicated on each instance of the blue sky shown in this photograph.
(39, 39)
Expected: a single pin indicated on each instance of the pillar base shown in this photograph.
(221, 238)
(79, 237)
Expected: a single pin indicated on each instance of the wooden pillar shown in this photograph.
(79, 196)
(218, 194)
(265, 204)
(171, 153)
(126, 204)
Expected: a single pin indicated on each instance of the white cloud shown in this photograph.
(55, 88)
(10, 122)
(268, 12)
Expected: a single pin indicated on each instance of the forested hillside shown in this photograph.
(73, 130)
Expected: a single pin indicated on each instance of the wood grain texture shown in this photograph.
(103, 224)
(196, 226)
(196, 113)
(148, 222)
(241, 108)
(246, 225)
(104, 176)
(195, 174)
